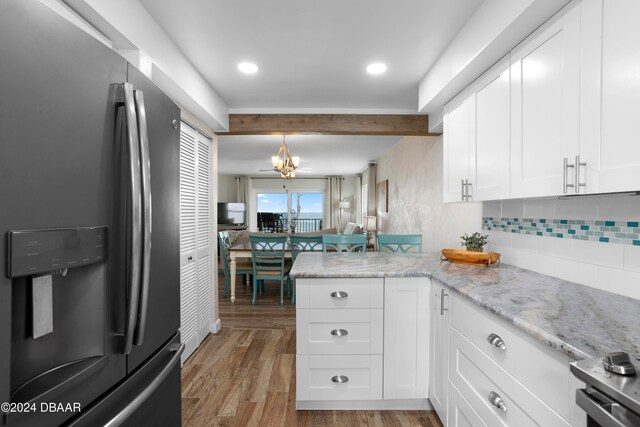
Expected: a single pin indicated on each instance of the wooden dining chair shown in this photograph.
(267, 253)
(303, 244)
(244, 268)
(344, 242)
(400, 242)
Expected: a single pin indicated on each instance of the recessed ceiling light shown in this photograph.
(376, 68)
(248, 67)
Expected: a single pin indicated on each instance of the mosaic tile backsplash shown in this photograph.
(617, 232)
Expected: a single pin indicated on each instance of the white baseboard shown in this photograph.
(351, 405)
(216, 326)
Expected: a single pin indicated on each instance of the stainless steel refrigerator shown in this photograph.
(89, 181)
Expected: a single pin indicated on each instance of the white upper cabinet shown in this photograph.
(490, 134)
(545, 107)
(611, 92)
(457, 150)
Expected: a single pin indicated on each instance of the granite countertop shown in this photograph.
(576, 320)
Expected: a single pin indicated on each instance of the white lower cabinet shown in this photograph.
(362, 343)
(439, 348)
(406, 338)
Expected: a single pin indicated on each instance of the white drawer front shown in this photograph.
(543, 371)
(339, 331)
(347, 293)
(476, 376)
(461, 414)
(316, 376)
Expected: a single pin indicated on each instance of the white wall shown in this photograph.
(227, 188)
(612, 267)
(414, 170)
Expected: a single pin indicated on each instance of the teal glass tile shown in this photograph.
(533, 224)
(571, 231)
(559, 235)
(549, 230)
(604, 239)
(610, 223)
(564, 221)
(539, 233)
(633, 224)
(584, 227)
(542, 221)
(636, 242)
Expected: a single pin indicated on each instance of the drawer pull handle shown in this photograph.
(339, 294)
(339, 332)
(340, 379)
(496, 400)
(496, 341)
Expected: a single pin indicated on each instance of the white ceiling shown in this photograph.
(320, 155)
(313, 54)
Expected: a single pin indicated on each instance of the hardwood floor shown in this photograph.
(245, 374)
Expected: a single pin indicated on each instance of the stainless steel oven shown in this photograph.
(612, 394)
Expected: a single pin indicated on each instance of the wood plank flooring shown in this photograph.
(245, 374)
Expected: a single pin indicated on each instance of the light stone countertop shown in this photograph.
(577, 320)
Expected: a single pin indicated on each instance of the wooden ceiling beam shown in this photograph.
(329, 124)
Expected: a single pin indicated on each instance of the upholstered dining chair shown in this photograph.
(244, 268)
(400, 242)
(303, 244)
(267, 253)
(344, 242)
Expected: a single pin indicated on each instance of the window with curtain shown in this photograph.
(290, 212)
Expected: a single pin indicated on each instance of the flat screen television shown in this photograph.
(231, 213)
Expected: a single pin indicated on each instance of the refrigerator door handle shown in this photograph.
(145, 174)
(135, 207)
(148, 391)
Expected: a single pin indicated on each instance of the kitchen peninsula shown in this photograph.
(499, 337)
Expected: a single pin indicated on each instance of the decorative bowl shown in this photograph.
(469, 257)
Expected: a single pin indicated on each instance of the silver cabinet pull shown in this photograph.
(339, 294)
(578, 163)
(496, 400)
(339, 332)
(462, 189)
(467, 184)
(565, 171)
(340, 379)
(496, 341)
(442, 295)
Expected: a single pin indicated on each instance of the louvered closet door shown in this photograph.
(203, 241)
(188, 230)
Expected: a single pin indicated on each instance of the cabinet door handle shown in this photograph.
(339, 294)
(339, 332)
(340, 379)
(462, 189)
(565, 171)
(496, 341)
(442, 295)
(467, 184)
(496, 400)
(578, 163)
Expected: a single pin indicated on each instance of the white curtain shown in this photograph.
(243, 189)
(333, 198)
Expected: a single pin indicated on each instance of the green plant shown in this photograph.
(475, 241)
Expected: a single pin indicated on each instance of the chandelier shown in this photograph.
(284, 163)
